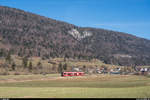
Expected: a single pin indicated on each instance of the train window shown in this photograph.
(69, 73)
(75, 74)
(80, 73)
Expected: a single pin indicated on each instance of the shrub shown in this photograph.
(16, 73)
(4, 73)
(35, 72)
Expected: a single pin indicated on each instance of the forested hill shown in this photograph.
(27, 34)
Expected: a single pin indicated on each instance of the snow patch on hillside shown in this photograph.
(76, 34)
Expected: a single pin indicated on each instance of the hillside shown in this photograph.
(26, 34)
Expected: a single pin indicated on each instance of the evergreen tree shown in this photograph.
(84, 68)
(2, 52)
(25, 62)
(60, 68)
(39, 65)
(30, 66)
(8, 57)
(13, 66)
(65, 66)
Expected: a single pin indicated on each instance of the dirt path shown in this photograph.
(27, 80)
(59, 78)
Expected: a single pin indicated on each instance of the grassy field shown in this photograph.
(89, 86)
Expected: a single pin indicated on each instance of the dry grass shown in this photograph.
(94, 86)
(47, 67)
(57, 77)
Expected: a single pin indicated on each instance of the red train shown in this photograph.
(72, 73)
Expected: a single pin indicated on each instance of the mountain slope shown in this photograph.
(34, 34)
(118, 48)
(24, 33)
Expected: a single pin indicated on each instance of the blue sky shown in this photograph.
(130, 16)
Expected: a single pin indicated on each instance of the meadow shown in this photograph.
(88, 86)
(22, 83)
